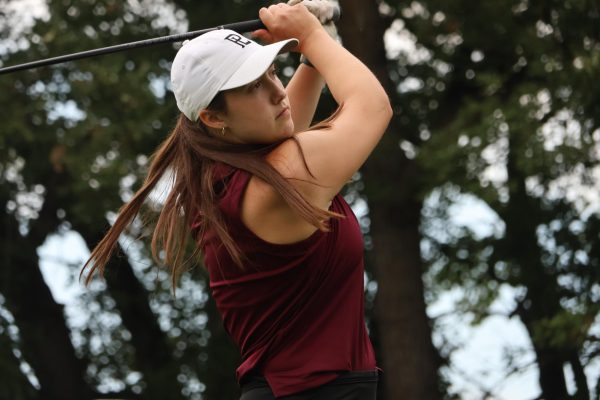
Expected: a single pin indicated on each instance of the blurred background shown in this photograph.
(479, 208)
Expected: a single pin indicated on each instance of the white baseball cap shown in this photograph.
(215, 61)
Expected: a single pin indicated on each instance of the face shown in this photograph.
(258, 112)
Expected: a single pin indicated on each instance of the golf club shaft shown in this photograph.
(244, 26)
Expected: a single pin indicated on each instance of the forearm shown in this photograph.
(304, 91)
(348, 79)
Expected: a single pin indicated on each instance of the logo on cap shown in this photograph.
(237, 39)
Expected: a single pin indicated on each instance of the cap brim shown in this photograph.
(258, 63)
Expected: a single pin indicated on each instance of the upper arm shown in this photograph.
(268, 216)
(332, 155)
(317, 163)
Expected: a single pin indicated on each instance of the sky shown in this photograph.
(478, 364)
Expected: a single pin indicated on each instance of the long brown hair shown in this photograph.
(190, 154)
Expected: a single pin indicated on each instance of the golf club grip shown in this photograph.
(242, 27)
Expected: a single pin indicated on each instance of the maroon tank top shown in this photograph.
(296, 311)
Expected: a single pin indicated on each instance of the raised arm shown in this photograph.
(332, 155)
(304, 91)
(335, 155)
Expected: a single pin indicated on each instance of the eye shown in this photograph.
(254, 85)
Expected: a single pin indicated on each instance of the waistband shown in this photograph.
(255, 381)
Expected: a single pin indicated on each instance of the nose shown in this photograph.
(277, 91)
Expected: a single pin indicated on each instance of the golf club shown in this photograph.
(244, 26)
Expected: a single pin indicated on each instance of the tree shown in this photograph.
(65, 169)
(409, 360)
(504, 107)
(75, 144)
(508, 88)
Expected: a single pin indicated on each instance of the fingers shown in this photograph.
(263, 35)
(284, 21)
(269, 16)
(265, 15)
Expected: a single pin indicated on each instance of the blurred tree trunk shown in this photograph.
(44, 338)
(583, 391)
(541, 303)
(14, 385)
(409, 360)
(153, 355)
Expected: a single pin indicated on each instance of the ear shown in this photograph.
(212, 119)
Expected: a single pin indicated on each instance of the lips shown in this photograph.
(282, 112)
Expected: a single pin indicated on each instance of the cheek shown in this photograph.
(250, 119)
(251, 112)
(250, 125)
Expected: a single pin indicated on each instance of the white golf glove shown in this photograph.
(324, 10)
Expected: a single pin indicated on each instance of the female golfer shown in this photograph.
(257, 190)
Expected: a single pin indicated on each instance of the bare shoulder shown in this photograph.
(268, 216)
(294, 161)
(287, 159)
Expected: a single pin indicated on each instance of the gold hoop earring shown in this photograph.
(223, 131)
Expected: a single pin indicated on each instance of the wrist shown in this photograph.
(315, 36)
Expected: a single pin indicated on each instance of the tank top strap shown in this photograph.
(233, 184)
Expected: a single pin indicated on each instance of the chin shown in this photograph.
(288, 131)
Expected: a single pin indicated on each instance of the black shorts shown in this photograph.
(347, 386)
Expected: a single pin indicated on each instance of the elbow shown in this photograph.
(375, 106)
(385, 113)
(382, 103)
(388, 113)
(385, 110)
(388, 110)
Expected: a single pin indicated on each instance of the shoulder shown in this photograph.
(292, 159)
(285, 158)
(266, 213)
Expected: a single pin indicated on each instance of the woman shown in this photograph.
(258, 191)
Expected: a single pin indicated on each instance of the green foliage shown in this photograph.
(498, 101)
(75, 143)
(76, 138)
(506, 110)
